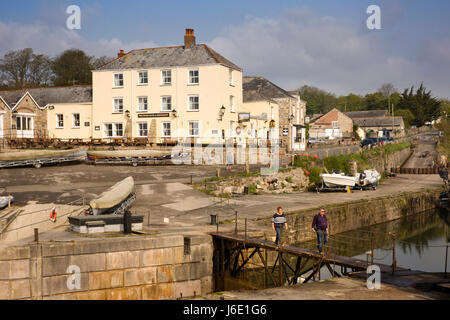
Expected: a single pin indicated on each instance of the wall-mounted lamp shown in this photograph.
(291, 117)
(127, 113)
(272, 123)
(174, 113)
(14, 114)
(221, 112)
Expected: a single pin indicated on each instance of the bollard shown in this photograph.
(235, 222)
(36, 235)
(127, 222)
(9, 201)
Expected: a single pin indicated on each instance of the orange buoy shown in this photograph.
(53, 215)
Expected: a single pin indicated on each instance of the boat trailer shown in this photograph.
(119, 209)
(37, 163)
(135, 161)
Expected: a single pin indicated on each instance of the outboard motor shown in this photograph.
(362, 176)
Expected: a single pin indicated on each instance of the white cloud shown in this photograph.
(300, 47)
(54, 40)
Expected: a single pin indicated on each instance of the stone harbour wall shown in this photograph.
(133, 268)
(356, 214)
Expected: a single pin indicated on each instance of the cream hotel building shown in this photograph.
(166, 94)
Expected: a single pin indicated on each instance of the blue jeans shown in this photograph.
(322, 238)
(278, 231)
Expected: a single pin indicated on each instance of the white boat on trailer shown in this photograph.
(116, 199)
(338, 180)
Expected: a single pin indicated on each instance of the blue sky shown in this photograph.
(321, 43)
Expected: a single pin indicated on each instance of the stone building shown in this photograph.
(292, 111)
(23, 113)
(378, 123)
(333, 125)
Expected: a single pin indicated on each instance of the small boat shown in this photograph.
(105, 154)
(5, 200)
(36, 154)
(369, 178)
(113, 197)
(336, 180)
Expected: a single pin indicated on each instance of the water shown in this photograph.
(421, 242)
(420, 245)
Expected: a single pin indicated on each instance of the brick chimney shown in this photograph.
(189, 39)
(120, 54)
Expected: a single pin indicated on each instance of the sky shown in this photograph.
(322, 43)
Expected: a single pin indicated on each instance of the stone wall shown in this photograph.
(138, 268)
(328, 152)
(357, 214)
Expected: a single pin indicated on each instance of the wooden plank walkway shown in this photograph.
(343, 261)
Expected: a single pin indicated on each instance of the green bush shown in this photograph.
(252, 189)
(289, 179)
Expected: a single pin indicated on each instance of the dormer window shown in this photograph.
(118, 80)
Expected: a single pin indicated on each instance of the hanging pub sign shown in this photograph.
(153, 115)
(244, 117)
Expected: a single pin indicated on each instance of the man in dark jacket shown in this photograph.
(320, 227)
(278, 222)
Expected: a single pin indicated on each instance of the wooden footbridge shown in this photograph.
(234, 251)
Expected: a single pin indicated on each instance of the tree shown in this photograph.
(407, 115)
(101, 61)
(14, 66)
(72, 67)
(40, 71)
(317, 100)
(23, 68)
(351, 102)
(387, 89)
(422, 105)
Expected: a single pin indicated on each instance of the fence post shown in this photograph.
(446, 255)
(394, 261)
(371, 248)
(245, 229)
(235, 222)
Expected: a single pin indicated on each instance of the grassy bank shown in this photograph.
(363, 159)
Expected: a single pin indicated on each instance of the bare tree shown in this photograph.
(40, 71)
(14, 66)
(22, 68)
(100, 61)
(387, 89)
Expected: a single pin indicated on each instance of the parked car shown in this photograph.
(369, 141)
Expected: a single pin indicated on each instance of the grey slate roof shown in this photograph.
(366, 114)
(378, 122)
(176, 56)
(265, 87)
(254, 95)
(44, 96)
